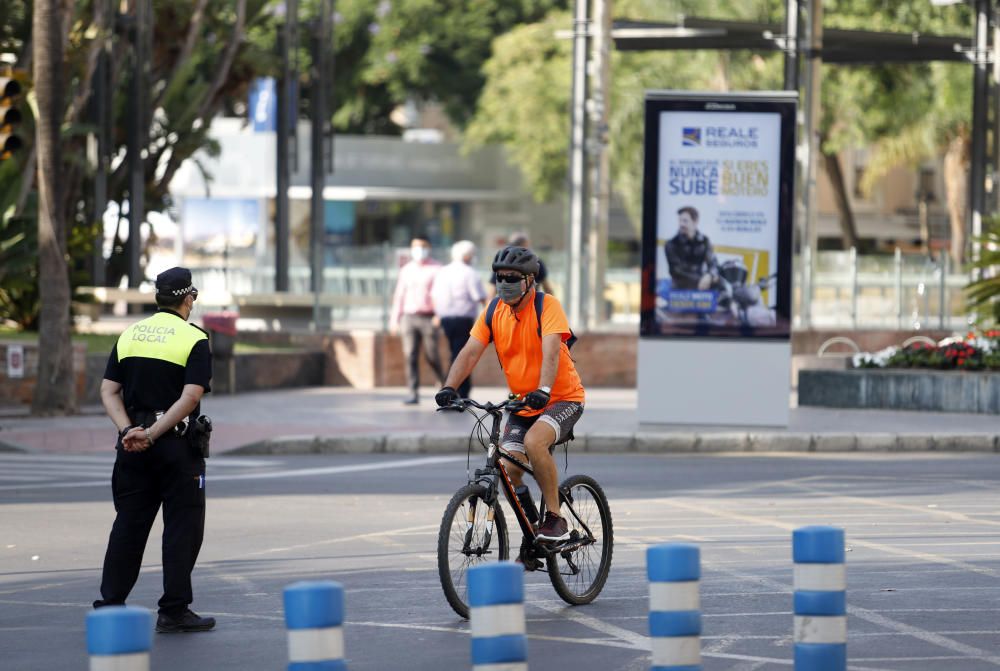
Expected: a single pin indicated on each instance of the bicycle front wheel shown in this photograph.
(472, 532)
(579, 570)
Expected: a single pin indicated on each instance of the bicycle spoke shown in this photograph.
(586, 557)
(467, 543)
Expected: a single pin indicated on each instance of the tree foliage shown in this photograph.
(525, 103)
(984, 294)
(435, 49)
(205, 54)
(905, 113)
(388, 52)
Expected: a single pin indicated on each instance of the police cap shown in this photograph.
(174, 282)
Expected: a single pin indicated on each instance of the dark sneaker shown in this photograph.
(527, 556)
(101, 603)
(186, 621)
(553, 528)
(413, 400)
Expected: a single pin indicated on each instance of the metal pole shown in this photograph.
(102, 120)
(330, 64)
(317, 154)
(791, 47)
(810, 139)
(942, 287)
(287, 119)
(136, 139)
(577, 175)
(386, 290)
(980, 95)
(898, 267)
(791, 83)
(601, 197)
(996, 110)
(854, 286)
(925, 227)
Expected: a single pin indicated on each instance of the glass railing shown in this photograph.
(849, 290)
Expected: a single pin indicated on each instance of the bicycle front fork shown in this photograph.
(471, 525)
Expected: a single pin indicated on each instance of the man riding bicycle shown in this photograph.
(539, 369)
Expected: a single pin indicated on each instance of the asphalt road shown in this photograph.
(923, 533)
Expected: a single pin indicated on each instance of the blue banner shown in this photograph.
(263, 105)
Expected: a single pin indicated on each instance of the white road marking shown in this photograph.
(57, 458)
(870, 616)
(924, 510)
(264, 475)
(341, 539)
(763, 521)
(923, 635)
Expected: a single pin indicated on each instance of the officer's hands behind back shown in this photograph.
(135, 440)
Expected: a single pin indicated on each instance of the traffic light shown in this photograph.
(10, 117)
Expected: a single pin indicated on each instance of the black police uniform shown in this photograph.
(153, 360)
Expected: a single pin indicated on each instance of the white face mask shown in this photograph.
(419, 253)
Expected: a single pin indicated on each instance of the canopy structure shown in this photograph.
(838, 46)
(803, 39)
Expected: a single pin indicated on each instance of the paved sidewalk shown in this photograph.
(339, 419)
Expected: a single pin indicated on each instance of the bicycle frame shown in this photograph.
(494, 476)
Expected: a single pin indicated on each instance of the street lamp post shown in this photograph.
(287, 118)
(317, 142)
(578, 166)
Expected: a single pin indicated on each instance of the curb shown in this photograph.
(7, 447)
(649, 443)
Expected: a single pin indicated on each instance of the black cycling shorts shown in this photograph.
(561, 416)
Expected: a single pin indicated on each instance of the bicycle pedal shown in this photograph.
(531, 564)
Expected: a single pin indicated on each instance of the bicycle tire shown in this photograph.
(585, 589)
(450, 543)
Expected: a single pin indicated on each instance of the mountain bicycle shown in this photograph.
(473, 528)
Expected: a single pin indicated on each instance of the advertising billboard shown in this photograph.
(717, 215)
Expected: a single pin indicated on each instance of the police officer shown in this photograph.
(152, 389)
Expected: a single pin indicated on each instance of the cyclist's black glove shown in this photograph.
(537, 399)
(446, 396)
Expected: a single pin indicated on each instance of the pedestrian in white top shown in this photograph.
(413, 314)
(458, 295)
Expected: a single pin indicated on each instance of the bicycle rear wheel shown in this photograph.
(471, 533)
(580, 568)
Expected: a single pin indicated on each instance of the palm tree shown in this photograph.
(984, 294)
(54, 391)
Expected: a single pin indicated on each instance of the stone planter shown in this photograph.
(902, 389)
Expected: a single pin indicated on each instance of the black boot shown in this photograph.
(184, 622)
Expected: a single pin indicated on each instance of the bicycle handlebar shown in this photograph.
(511, 405)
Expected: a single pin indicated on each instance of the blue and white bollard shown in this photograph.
(314, 615)
(820, 599)
(496, 617)
(119, 638)
(674, 571)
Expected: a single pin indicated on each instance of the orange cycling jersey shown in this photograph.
(520, 349)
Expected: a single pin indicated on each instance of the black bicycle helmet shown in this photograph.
(521, 259)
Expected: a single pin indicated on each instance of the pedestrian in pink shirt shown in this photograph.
(413, 314)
